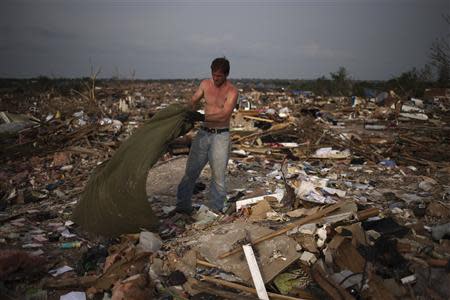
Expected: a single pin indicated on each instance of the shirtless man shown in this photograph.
(212, 142)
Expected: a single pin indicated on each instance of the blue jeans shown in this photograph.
(206, 147)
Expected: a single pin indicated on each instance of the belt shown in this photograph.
(215, 130)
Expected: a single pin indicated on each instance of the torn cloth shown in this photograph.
(115, 200)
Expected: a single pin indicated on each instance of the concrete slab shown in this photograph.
(225, 237)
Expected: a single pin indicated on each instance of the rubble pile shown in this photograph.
(334, 198)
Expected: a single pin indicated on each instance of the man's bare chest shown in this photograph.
(216, 98)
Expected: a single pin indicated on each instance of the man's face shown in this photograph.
(218, 77)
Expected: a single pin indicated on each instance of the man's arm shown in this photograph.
(228, 106)
(196, 97)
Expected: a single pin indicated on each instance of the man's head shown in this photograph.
(220, 68)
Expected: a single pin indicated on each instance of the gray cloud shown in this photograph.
(374, 39)
(52, 34)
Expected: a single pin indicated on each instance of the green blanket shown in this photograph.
(115, 200)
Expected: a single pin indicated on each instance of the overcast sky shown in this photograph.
(373, 39)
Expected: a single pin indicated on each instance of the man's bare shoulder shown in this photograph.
(231, 88)
(205, 83)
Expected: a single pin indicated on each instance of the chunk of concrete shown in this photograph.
(149, 242)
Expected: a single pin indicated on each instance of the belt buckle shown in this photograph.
(210, 130)
(214, 130)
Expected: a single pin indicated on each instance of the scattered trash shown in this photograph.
(70, 245)
(375, 127)
(308, 258)
(337, 197)
(330, 153)
(73, 296)
(11, 124)
(296, 279)
(204, 215)
(408, 279)
(245, 202)
(388, 163)
(61, 270)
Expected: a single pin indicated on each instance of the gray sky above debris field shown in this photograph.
(373, 39)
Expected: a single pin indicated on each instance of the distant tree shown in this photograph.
(359, 88)
(426, 73)
(440, 56)
(341, 82)
(321, 86)
(411, 83)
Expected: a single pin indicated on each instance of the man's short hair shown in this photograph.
(222, 64)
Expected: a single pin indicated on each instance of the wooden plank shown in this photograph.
(252, 290)
(206, 264)
(209, 288)
(66, 283)
(258, 119)
(367, 213)
(256, 274)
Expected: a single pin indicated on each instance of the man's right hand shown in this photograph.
(195, 116)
